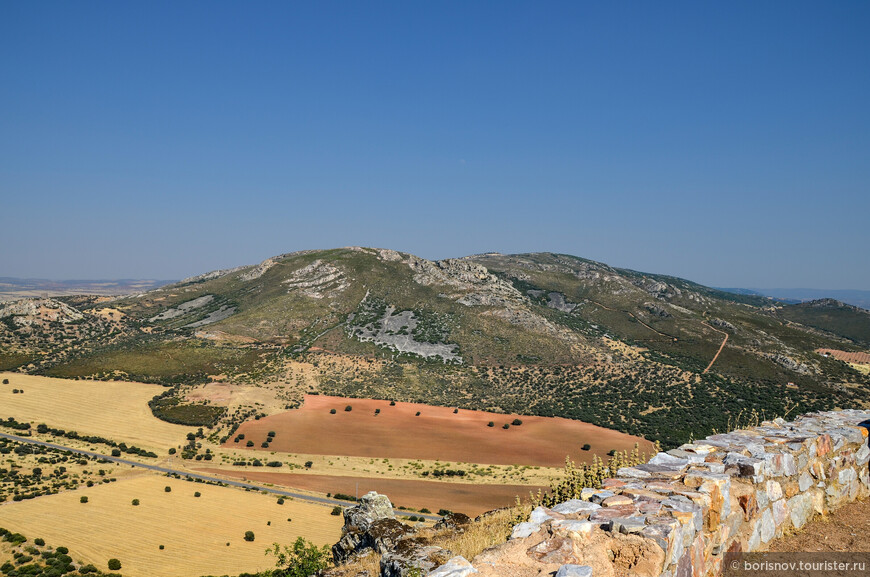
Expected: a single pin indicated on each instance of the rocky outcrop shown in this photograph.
(687, 510)
(369, 526)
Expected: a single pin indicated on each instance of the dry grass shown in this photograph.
(115, 410)
(193, 530)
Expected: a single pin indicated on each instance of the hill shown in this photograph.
(542, 334)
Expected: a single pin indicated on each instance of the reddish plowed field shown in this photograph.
(467, 498)
(437, 434)
(857, 358)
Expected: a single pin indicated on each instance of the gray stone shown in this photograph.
(632, 473)
(862, 457)
(628, 525)
(456, 567)
(846, 476)
(801, 509)
(539, 515)
(805, 482)
(412, 557)
(774, 491)
(574, 571)
(768, 528)
(575, 506)
(523, 530)
(668, 460)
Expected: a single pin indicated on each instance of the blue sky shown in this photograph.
(728, 143)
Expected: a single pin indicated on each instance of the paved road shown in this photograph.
(159, 469)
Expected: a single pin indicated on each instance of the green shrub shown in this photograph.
(167, 489)
(418, 414)
(116, 452)
(114, 564)
(516, 422)
(197, 494)
(336, 511)
(331, 411)
(249, 444)
(281, 500)
(586, 447)
(302, 560)
(172, 451)
(309, 464)
(506, 426)
(490, 424)
(348, 408)
(135, 502)
(249, 535)
(83, 499)
(39, 541)
(162, 547)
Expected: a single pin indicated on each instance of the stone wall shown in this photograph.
(679, 514)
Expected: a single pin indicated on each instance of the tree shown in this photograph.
(249, 535)
(114, 564)
(197, 494)
(308, 464)
(586, 447)
(167, 488)
(5, 381)
(116, 452)
(303, 559)
(490, 424)
(83, 499)
(516, 422)
(506, 426)
(135, 502)
(348, 408)
(331, 411)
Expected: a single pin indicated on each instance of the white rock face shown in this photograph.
(317, 280)
(183, 308)
(456, 567)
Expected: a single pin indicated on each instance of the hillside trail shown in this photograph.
(722, 346)
(635, 318)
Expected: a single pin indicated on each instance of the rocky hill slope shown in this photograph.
(546, 334)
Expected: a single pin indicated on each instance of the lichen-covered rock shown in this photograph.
(454, 521)
(455, 567)
(413, 556)
(369, 525)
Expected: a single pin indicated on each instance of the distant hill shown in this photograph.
(16, 288)
(856, 298)
(543, 333)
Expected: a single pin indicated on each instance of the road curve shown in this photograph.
(240, 484)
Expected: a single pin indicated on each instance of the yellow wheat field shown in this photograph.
(194, 530)
(112, 409)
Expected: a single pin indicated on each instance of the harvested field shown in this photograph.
(857, 358)
(195, 531)
(112, 409)
(469, 498)
(436, 434)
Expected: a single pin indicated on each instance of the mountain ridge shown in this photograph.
(542, 333)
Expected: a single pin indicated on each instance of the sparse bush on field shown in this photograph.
(83, 499)
(490, 424)
(309, 464)
(249, 444)
(114, 564)
(377, 411)
(172, 451)
(135, 502)
(116, 452)
(516, 422)
(444, 512)
(418, 414)
(167, 489)
(506, 426)
(392, 403)
(249, 535)
(331, 411)
(455, 411)
(197, 494)
(39, 541)
(336, 511)
(348, 408)
(5, 381)
(281, 500)
(586, 447)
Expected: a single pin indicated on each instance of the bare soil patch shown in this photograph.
(468, 498)
(436, 434)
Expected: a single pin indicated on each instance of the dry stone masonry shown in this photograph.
(679, 514)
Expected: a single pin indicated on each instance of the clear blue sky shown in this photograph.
(724, 142)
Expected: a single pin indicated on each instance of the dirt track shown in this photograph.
(436, 434)
(722, 346)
